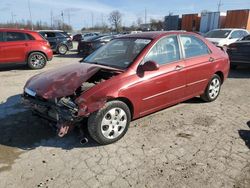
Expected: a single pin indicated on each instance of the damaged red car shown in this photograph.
(130, 77)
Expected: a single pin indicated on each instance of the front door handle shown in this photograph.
(179, 67)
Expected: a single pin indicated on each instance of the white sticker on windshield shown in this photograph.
(142, 41)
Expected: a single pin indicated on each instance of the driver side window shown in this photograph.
(165, 51)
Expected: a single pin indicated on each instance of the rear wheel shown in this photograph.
(110, 123)
(213, 89)
(36, 60)
(62, 49)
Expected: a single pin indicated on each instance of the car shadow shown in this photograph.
(245, 135)
(13, 67)
(21, 129)
(240, 72)
(194, 100)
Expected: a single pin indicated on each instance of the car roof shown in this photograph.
(155, 34)
(17, 30)
(59, 31)
(229, 29)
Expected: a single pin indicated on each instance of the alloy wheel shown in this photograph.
(37, 61)
(214, 88)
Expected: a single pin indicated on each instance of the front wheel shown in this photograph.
(213, 89)
(110, 123)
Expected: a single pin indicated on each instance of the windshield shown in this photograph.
(218, 34)
(118, 53)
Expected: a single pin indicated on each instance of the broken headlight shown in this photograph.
(67, 102)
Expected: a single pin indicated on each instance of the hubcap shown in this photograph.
(37, 61)
(62, 49)
(214, 88)
(114, 123)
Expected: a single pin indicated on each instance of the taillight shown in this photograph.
(46, 43)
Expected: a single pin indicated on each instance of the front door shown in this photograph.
(165, 86)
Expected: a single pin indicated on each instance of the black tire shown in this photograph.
(62, 49)
(207, 95)
(36, 60)
(95, 126)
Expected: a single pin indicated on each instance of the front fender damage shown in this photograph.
(67, 111)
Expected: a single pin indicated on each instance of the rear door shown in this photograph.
(198, 64)
(14, 48)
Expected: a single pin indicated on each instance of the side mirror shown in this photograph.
(150, 66)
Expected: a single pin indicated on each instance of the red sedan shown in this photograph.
(130, 77)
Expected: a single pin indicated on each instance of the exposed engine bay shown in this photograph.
(63, 111)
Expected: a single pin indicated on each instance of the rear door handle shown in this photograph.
(179, 67)
(211, 59)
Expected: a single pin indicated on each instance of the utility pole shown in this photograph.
(12, 17)
(92, 18)
(51, 19)
(145, 15)
(62, 20)
(220, 4)
(69, 16)
(30, 15)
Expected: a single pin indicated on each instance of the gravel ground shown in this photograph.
(192, 144)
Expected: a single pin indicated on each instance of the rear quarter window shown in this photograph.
(29, 37)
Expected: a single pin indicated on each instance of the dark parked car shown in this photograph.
(88, 46)
(130, 77)
(60, 41)
(24, 47)
(86, 36)
(239, 52)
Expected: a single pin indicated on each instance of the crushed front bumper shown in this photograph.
(63, 117)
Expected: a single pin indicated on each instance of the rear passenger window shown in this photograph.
(1, 36)
(15, 36)
(193, 46)
(165, 51)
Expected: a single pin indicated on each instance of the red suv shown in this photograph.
(23, 46)
(130, 77)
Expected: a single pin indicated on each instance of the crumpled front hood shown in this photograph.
(61, 82)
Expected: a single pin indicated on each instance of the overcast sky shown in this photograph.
(79, 12)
